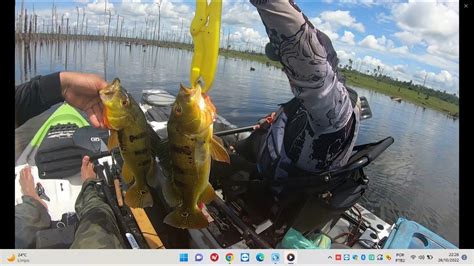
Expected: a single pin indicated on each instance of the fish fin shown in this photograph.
(138, 197)
(183, 218)
(151, 178)
(170, 193)
(218, 151)
(207, 195)
(113, 141)
(218, 139)
(127, 174)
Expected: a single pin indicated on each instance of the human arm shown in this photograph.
(310, 62)
(41, 92)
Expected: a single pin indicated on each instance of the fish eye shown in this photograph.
(124, 102)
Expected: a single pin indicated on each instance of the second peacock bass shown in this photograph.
(191, 146)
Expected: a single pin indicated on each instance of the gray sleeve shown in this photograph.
(309, 62)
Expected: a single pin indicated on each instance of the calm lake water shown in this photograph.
(417, 177)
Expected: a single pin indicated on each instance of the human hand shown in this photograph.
(87, 169)
(81, 90)
(27, 185)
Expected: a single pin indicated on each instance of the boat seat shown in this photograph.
(159, 115)
(57, 156)
(60, 153)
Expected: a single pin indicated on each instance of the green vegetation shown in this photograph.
(407, 91)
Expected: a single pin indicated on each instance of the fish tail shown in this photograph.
(138, 197)
(186, 218)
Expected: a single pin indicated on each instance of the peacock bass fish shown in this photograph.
(135, 138)
(191, 146)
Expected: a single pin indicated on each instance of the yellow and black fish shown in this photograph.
(136, 140)
(191, 145)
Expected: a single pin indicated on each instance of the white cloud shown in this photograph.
(325, 27)
(400, 68)
(436, 25)
(383, 18)
(373, 62)
(429, 19)
(247, 38)
(100, 7)
(371, 42)
(443, 80)
(133, 8)
(408, 37)
(444, 76)
(240, 14)
(400, 50)
(348, 38)
(382, 44)
(330, 22)
(340, 18)
(449, 49)
(345, 56)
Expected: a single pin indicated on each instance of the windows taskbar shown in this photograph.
(243, 257)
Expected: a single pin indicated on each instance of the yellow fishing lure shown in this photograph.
(205, 30)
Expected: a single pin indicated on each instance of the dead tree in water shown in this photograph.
(20, 20)
(159, 18)
(26, 21)
(121, 26)
(82, 23)
(116, 29)
(57, 23)
(76, 31)
(52, 19)
(36, 24)
(67, 29)
(108, 27)
(61, 29)
(31, 26)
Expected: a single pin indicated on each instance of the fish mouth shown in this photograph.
(107, 93)
(189, 92)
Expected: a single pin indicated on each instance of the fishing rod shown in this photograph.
(235, 130)
(262, 123)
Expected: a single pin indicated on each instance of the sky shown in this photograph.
(408, 40)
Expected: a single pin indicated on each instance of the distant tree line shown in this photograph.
(420, 89)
